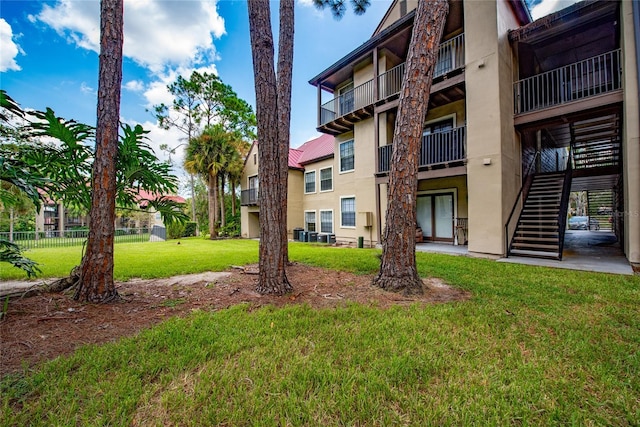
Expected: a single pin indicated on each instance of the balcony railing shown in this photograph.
(450, 57)
(590, 77)
(436, 148)
(249, 197)
(348, 102)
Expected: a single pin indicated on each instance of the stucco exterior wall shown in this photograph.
(631, 137)
(358, 183)
(249, 215)
(492, 149)
(295, 215)
(395, 13)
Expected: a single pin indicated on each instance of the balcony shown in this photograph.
(249, 197)
(581, 80)
(343, 111)
(440, 149)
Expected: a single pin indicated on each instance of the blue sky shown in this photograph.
(48, 53)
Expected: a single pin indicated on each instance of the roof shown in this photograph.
(316, 149)
(144, 197)
(294, 158)
(582, 8)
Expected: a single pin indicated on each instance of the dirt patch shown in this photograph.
(45, 326)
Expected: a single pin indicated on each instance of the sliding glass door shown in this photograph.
(435, 216)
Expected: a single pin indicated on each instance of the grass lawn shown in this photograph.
(534, 346)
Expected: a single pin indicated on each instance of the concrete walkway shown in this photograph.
(583, 250)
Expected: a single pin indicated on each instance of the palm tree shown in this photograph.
(207, 156)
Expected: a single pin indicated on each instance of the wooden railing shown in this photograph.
(450, 57)
(249, 197)
(583, 79)
(436, 148)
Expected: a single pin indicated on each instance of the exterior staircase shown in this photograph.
(539, 232)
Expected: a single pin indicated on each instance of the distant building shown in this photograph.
(54, 218)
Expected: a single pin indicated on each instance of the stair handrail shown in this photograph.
(564, 202)
(527, 183)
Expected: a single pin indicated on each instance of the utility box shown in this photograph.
(365, 219)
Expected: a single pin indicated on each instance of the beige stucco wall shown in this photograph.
(394, 13)
(295, 217)
(490, 134)
(249, 215)
(631, 137)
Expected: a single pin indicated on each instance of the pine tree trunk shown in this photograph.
(223, 213)
(212, 184)
(273, 106)
(398, 265)
(233, 198)
(96, 271)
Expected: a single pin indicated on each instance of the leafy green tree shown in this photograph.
(200, 102)
(207, 155)
(62, 170)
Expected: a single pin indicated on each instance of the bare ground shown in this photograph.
(45, 326)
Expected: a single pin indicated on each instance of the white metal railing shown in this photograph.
(583, 79)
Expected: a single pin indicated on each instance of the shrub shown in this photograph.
(189, 229)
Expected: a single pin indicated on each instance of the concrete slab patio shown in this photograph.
(583, 250)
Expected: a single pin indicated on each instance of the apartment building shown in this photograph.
(521, 114)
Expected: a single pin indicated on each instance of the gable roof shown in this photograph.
(316, 149)
(294, 158)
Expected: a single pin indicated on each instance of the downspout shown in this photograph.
(636, 29)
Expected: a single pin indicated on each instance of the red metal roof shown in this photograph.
(312, 150)
(294, 158)
(143, 198)
(316, 149)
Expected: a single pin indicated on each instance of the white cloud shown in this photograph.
(86, 89)
(134, 85)
(157, 34)
(545, 7)
(9, 50)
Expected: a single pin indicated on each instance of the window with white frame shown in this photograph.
(348, 212)
(326, 221)
(310, 182)
(347, 157)
(326, 179)
(310, 220)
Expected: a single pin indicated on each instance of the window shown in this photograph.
(310, 220)
(253, 181)
(348, 212)
(326, 179)
(255, 158)
(326, 221)
(440, 126)
(346, 156)
(310, 182)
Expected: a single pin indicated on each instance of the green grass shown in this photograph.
(534, 346)
(147, 260)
